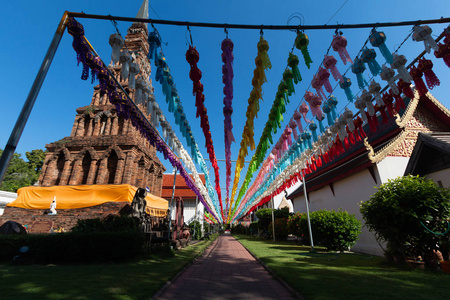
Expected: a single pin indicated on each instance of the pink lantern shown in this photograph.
(329, 62)
(339, 44)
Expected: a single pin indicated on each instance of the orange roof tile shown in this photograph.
(181, 189)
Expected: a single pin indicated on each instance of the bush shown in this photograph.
(196, 230)
(335, 230)
(110, 223)
(281, 232)
(404, 211)
(239, 229)
(253, 228)
(293, 224)
(265, 216)
(73, 247)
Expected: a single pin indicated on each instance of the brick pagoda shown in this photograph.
(104, 148)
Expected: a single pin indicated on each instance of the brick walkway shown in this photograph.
(226, 270)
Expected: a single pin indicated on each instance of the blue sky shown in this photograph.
(28, 27)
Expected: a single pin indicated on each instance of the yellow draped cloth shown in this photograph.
(81, 196)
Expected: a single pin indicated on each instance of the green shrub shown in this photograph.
(403, 212)
(281, 232)
(265, 216)
(293, 224)
(253, 228)
(74, 247)
(239, 229)
(335, 230)
(109, 223)
(196, 230)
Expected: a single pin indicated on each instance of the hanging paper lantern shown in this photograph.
(387, 74)
(154, 42)
(304, 109)
(341, 123)
(339, 44)
(288, 77)
(405, 87)
(317, 84)
(377, 39)
(366, 97)
(324, 75)
(382, 111)
(332, 102)
(348, 116)
(423, 33)
(345, 85)
(426, 66)
(297, 118)
(313, 128)
(358, 69)
(320, 120)
(293, 125)
(301, 43)
(399, 64)
(368, 56)
(444, 53)
(329, 62)
(375, 89)
(417, 77)
(116, 41)
(361, 106)
(327, 110)
(293, 63)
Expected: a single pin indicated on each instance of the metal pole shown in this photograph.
(171, 201)
(11, 145)
(195, 216)
(273, 220)
(307, 213)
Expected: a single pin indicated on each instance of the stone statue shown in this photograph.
(53, 207)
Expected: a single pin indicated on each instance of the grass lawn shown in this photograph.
(345, 275)
(134, 280)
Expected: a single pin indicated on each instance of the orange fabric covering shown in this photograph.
(181, 189)
(81, 196)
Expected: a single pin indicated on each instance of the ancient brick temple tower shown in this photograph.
(104, 148)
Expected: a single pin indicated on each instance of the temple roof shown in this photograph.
(181, 189)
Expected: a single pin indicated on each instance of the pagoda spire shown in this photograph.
(143, 12)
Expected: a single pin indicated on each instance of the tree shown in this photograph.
(21, 173)
(265, 216)
(409, 213)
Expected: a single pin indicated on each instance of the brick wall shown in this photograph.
(66, 218)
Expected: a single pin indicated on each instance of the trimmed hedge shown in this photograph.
(73, 247)
(335, 230)
(281, 232)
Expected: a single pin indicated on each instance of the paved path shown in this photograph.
(226, 270)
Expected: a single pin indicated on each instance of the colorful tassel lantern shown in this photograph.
(320, 120)
(345, 85)
(134, 70)
(417, 77)
(116, 41)
(366, 97)
(298, 120)
(324, 75)
(444, 53)
(293, 63)
(374, 89)
(313, 128)
(423, 33)
(361, 106)
(399, 64)
(339, 45)
(368, 56)
(314, 102)
(358, 69)
(387, 74)
(317, 84)
(79, 44)
(341, 125)
(329, 62)
(332, 103)
(288, 79)
(377, 39)
(327, 110)
(154, 42)
(405, 87)
(301, 43)
(426, 66)
(348, 116)
(304, 109)
(293, 125)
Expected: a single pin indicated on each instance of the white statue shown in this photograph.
(53, 207)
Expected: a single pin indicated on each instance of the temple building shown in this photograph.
(104, 148)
